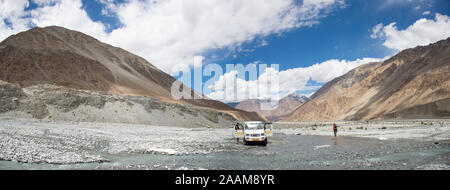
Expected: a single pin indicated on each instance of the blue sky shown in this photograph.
(333, 35)
(343, 34)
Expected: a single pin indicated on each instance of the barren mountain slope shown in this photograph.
(412, 84)
(55, 55)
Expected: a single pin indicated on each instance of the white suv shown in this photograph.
(254, 132)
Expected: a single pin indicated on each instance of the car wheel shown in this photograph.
(264, 143)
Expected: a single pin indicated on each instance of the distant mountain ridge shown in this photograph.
(285, 106)
(415, 83)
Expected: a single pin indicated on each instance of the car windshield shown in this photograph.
(254, 126)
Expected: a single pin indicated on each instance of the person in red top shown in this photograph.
(335, 127)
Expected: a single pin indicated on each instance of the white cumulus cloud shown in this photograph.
(69, 14)
(422, 32)
(11, 17)
(290, 81)
(171, 32)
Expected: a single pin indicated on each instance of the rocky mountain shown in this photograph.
(285, 106)
(62, 57)
(415, 83)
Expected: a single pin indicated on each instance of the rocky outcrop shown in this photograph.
(50, 102)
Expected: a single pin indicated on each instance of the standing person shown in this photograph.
(236, 127)
(335, 127)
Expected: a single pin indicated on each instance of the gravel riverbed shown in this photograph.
(37, 144)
